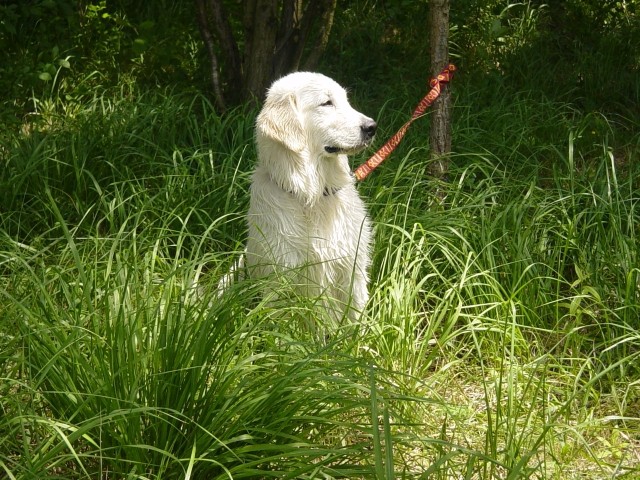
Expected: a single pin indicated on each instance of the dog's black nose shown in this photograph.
(369, 128)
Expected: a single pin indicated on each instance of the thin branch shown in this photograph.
(228, 45)
(288, 21)
(288, 37)
(320, 46)
(207, 38)
(311, 12)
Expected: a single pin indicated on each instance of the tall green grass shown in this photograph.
(501, 339)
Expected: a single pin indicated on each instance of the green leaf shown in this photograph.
(147, 25)
(139, 45)
(496, 27)
(64, 63)
(46, 76)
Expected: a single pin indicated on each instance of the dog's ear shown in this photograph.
(279, 120)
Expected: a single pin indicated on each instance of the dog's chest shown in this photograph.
(334, 222)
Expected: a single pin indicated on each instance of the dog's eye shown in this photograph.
(328, 103)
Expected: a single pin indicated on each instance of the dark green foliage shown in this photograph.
(64, 50)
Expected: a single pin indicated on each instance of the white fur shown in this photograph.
(306, 220)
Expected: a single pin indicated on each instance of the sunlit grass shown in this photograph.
(501, 339)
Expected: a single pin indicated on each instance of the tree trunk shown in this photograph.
(328, 9)
(260, 43)
(276, 36)
(228, 47)
(440, 135)
(288, 36)
(207, 38)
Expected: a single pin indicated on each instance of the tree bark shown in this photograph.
(288, 36)
(228, 47)
(259, 48)
(207, 38)
(276, 36)
(298, 24)
(328, 10)
(440, 135)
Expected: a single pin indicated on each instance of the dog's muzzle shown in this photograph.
(367, 132)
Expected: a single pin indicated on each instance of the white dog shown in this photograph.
(307, 223)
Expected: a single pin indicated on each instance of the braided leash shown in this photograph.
(381, 155)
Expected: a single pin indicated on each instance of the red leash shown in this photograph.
(381, 155)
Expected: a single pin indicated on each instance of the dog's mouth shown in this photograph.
(334, 149)
(345, 151)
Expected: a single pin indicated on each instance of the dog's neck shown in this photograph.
(306, 176)
(326, 192)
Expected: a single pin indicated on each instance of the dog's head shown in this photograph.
(309, 113)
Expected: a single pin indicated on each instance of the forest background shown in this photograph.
(501, 339)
